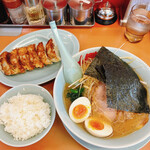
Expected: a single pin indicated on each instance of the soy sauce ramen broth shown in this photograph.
(120, 129)
(67, 103)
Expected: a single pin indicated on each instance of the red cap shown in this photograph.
(12, 4)
(52, 4)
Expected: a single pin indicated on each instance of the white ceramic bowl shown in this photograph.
(143, 71)
(27, 89)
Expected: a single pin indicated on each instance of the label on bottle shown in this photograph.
(17, 15)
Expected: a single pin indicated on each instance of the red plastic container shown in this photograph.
(12, 4)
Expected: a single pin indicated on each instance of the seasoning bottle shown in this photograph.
(81, 11)
(55, 10)
(34, 12)
(105, 14)
(16, 11)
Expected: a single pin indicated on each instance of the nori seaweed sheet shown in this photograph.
(124, 90)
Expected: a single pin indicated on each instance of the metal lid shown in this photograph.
(54, 4)
(106, 11)
(81, 4)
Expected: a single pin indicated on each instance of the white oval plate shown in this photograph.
(41, 75)
(140, 68)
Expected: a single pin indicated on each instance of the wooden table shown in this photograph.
(99, 35)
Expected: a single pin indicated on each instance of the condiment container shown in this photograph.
(16, 11)
(81, 11)
(105, 13)
(55, 10)
(34, 12)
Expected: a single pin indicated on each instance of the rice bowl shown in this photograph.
(44, 96)
(127, 141)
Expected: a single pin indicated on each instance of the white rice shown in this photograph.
(25, 116)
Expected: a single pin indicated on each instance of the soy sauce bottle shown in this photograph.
(16, 11)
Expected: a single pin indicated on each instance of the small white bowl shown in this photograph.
(27, 89)
(117, 143)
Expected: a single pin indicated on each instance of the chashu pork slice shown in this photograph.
(99, 105)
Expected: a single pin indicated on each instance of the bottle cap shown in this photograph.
(12, 4)
(54, 4)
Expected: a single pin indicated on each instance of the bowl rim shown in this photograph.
(94, 49)
(46, 130)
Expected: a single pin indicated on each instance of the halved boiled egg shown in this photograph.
(80, 109)
(97, 127)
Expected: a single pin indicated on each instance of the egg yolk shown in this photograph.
(79, 111)
(96, 125)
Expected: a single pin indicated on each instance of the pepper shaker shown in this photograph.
(55, 10)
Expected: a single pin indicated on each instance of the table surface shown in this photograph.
(98, 35)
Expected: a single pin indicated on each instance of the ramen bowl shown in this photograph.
(115, 143)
